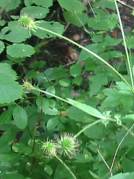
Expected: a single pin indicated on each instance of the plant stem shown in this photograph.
(119, 145)
(105, 162)
(88, 51)
(87, 127)
(50, 94)
(67, 168)
(125, 44)
(123, 3)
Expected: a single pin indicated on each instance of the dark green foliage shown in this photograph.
(91, 94)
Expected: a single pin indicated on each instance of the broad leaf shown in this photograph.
(20, 117)
(17, 33)
(10, 90)
(6, 70)
(35, 11)
(72, 5)
(20, 50)
(9, 4)
(44, 3)
(54, 26)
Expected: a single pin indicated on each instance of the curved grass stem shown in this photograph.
(88, 51)
(87, 127)
(119, 145)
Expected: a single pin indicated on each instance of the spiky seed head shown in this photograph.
(27, 22)
(49, 148)
(67, 145)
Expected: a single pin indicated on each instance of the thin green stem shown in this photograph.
(67, 168)
(87, 127)
(88, 51)
(119, 145)
(105, 162)
(125, 44)
(91, 8)
(50, 94)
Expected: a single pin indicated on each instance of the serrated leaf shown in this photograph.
(20, 50)
(103, 21)
(35, 12)
(20, 117)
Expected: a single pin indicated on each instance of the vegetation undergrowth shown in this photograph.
(73, 119)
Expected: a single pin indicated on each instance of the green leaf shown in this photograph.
(52, 124)
(35, 12)
(46, 106)
(2, 46)
(130, 42)
(123, 176)
(75, 70)
(17, 33)
(86, 108)
(20, 117)
(54, 26)
(106, 4)
(9, 4)
(103, 22)
(72, 5)
(64, 82)
(10, 90)
(78, 19)
(78, 115)
(12, 176)
(44, 3)
(97, 82)
(92, 134)
(20, 50)
(6, 70)
(128, 117)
